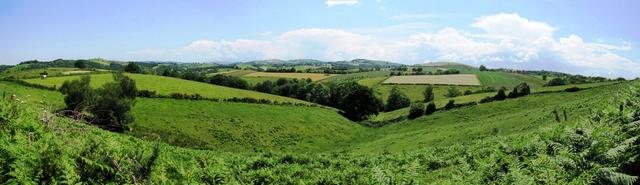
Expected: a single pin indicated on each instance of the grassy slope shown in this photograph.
(166, 85)
(442, 128)
(242, 127)
(414, 92)
(223, 126)
(511, 116)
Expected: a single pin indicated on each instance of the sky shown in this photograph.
(595, 38)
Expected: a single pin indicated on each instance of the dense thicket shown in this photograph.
(108, 105)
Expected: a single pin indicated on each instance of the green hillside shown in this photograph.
(512, 116)
(515, 147)
(166, 85)
(223, 126)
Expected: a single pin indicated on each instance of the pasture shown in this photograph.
(312, 76)
(455, 79)
(167, 85)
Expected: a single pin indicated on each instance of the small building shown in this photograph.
(43, 76)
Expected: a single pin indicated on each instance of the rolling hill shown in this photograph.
(166, 85)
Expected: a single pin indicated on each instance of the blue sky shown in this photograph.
(591, 38)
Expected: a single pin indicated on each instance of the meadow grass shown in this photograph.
(166, 85)
(222, 126)
(512, 116)
(312, 76)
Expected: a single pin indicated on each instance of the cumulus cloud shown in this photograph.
(331, 3)
(503, 40)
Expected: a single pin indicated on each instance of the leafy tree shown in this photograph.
(416, 110)
(556, 82)
(544, 77)
(452, 92)
(113, 102)
(356, 101)
(482, 68)
(431, 108)
(468, 92)
(80, 64)
(133, 68)
(500, 95)
(77, 93)
(428, 94)
(265, 87)
(397, 100)
(320, 94)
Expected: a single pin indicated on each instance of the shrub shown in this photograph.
(428, 93)
(468, 92)
(397, 100)
(147, 93)
(452, 92)
(431, 108)
(500, 95)
(113, 102)
(78, 93)
(450, 105)
(416, 110)
(572, 89)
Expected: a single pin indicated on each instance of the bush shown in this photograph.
(450, 105)
(78, 93)
(431, 108)
(112, 103)
(397, 100)
(416, 110)
(147, 93)
(452, 92)
(428, 94)
(500, 95)
(468, 92)
(572, 89)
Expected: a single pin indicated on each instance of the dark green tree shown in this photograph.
(320, 94)
(356, 101)
(80, 64)
(77, 93)
(133, 68)
(112, 103)
(556, 82)
(397, 100)
(431, 108)
(428, 94)
(482, 68)
(416, 110)
(500, 95)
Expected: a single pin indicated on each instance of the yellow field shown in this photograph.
(456, 79)
(313, 76)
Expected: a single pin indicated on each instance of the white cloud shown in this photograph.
(331, 3)
(503, 40)
(513, 26)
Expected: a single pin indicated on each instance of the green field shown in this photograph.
(414, 92)
(223, 126)
(357, 76)
(461, 146)
(166, 85)
(35, 73)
